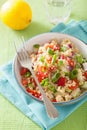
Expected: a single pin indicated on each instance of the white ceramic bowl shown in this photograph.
(41, 39)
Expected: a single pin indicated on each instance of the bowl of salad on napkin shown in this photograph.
(60, 65)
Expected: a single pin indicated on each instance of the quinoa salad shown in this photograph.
(59, 69)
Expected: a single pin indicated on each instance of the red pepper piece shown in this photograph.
(61, 81)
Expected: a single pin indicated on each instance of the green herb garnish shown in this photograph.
(54, 59)
(60, 62)
(42, 58)
(66, 73)
(50, 51)
(36, 46)
(55, 77)
(45, 82)
(52, 88)
(77, 65)
(63, 48)
(79, 58)
(57, 52)
(73, 74)
(28, 74)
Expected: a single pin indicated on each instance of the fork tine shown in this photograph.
(24, 53)
(23, 41)
(17, 51)
(15, 47)
(20, 54)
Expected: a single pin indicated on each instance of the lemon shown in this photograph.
(16, 14)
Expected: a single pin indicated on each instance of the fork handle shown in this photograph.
(50, 108)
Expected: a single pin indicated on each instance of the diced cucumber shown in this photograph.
(68, 90)
(75, 93)
(84, 86)
(79, 58)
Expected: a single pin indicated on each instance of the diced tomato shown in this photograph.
(33, 92)
(52, 46)
(57, 47)
(32, 80)
(49, 60)
(42, 68)
(36, 94)
(24, 82)
(61, 81)
(62, 57)
(72, 87)
(40, 75)
(49, 46)
(52, 68)
(54, 100)
(85, 74)
(23, 70)
(28, 90)
(71, 62)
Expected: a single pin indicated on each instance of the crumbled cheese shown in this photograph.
(76, 92)
(59, 98)
(80, 76)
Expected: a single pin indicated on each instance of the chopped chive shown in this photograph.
(45, 64)
(45, 82)
(55, 77)
(50, 51)
(57, 52)
(28, 74)
(60, 62)
(42, 58)
(73, 74)
(54, 59)
(52, 88)
(66, 74)
(63, 48)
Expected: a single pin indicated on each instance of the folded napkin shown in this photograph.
(30, 107)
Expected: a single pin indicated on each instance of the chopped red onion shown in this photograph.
(69, 45)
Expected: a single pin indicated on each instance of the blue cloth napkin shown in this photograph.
(30, 107)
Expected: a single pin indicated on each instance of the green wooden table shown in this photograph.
(10, 117)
